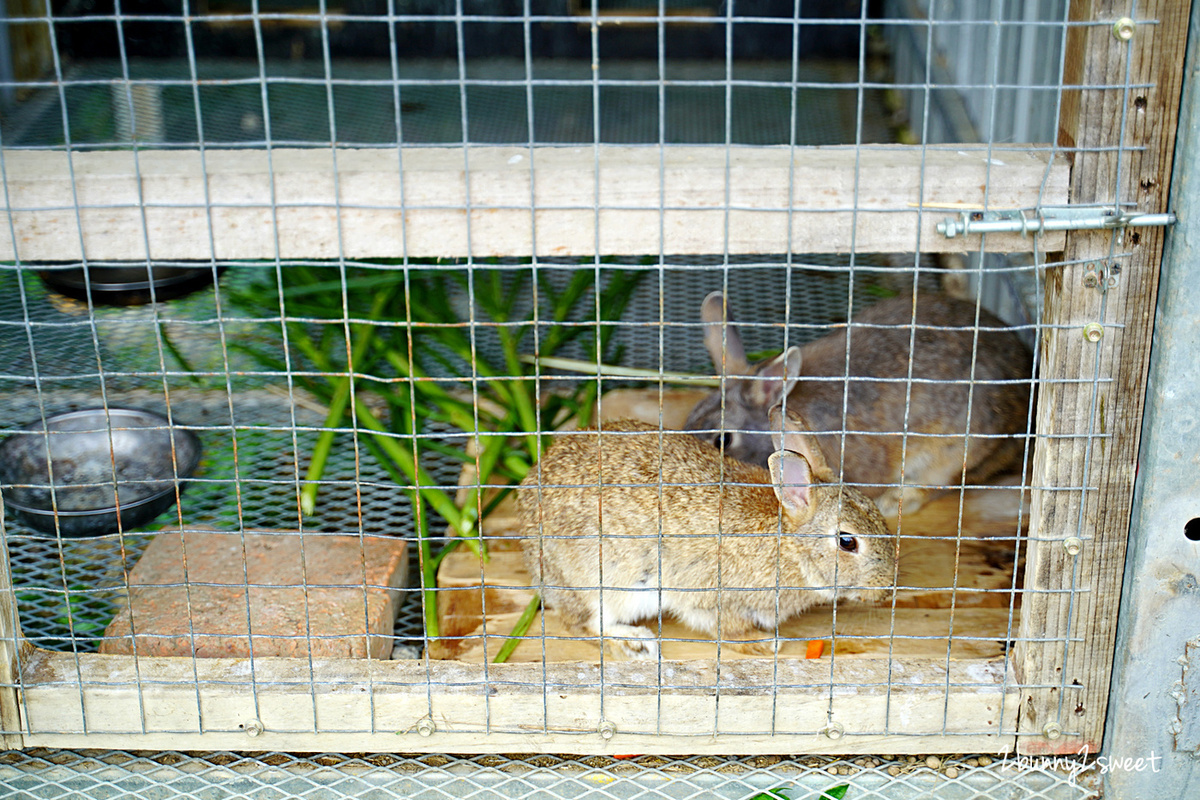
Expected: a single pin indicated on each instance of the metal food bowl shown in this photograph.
(101, 460)
(127, 285)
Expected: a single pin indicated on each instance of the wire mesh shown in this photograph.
(224, 774)
(394, 397)
(127, 338)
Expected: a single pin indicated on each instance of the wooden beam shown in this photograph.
(10, 715)
(510, 201)
(897, 706)
(1091, 394)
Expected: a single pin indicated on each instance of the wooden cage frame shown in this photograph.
(131, 205)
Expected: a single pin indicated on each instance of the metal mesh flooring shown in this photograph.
(263, 776)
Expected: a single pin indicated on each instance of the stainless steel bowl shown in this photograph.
(107, 470)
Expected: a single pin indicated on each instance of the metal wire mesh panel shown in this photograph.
(173, 774)
(564, 376)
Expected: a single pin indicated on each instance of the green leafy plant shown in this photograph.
(833, 793)
(390, 351)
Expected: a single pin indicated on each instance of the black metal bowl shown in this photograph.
(113, 469)
(127, 285)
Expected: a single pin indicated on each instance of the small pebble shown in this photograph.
(933, 762)
(893, 770)
(833, 770)
(951, 772)
(860, 762)
(984, 761)
(972, 762)
(912, 759)
(405, 652)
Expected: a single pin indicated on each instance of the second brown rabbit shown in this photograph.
(631, 523)
(955, 372)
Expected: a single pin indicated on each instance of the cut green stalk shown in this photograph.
(429, 568)
(457, 412)
(489, 454)
(428, 564)
(464, 521)
(337, 405)
(321, 450)
(400, 460)
(524, 403)
(174, 350)
(518, 632)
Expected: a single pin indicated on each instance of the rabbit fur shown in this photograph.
(945, 362)
(665, 524)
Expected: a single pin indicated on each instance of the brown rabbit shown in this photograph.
(946, 360)
(633, 522)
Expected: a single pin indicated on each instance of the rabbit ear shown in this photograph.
(793, 434)
(775, 379)
(793, 479)
(721, 338)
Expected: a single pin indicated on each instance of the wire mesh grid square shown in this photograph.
(255, 364)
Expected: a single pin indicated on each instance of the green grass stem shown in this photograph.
(519, 631)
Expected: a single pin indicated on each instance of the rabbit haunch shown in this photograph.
(621, 525)
(955, 370)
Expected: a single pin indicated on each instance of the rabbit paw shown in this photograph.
(913, 498)
(633, 641)
(757, 648)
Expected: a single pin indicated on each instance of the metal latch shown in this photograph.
(1060, 218)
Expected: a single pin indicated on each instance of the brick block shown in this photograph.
(271, 593)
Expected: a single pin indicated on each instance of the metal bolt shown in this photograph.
(1073, 544)
(1123, 29)
(607, 730)
(1093, 331)
(1090, 279)
(1052, 730)
(834, 730)
(425, 727)
(253, 728)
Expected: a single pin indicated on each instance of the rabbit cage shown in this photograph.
(372, 255)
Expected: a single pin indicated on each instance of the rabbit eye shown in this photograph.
(847, 542)
(723, 440)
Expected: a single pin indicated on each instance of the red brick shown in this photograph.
(262, 578)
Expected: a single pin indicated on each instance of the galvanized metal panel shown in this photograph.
(1154, 712)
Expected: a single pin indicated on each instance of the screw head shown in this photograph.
(1052, 730)
(1091, 280)
(1123, 29)
(834, 730)
(1093, 331)
(425, 727)
(607, 730)
(1073, 544)
(253, 727)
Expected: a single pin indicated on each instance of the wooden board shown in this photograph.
(88, 700)
(512, 201)
(10, 714)
(957, 583)
(1090, 395)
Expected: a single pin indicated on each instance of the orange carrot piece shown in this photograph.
(816, 648)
